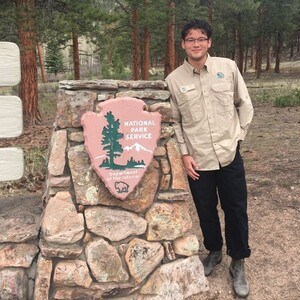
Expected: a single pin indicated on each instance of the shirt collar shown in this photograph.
(208, 63)
(190, 69)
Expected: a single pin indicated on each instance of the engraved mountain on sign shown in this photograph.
(120, 141)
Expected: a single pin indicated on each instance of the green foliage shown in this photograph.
(107, 25)
(291, 99)
(54, 59)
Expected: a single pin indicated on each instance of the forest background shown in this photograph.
(139, 39)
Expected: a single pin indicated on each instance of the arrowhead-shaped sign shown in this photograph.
(120, 141)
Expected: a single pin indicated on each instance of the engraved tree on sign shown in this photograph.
(110, 139)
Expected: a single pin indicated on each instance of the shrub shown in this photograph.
(292, 99)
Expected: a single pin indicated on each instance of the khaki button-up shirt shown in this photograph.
(212, 111)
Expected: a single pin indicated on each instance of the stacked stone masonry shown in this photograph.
(95, 246)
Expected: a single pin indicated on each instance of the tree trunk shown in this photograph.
(269, 53)
(246, 60)
(170, 40)
(136, 47)
(292, 46)
(146, 54)
(258, 58)
(76, 55)
(278, 52)
(210, 11)
(252, 57)
(42, 64)
(28, 88)
(233, 52)
(240, 57)
(259, 45)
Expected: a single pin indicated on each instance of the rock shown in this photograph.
(104, 96)
(170, 254)
(144, 84)
(13, 284)
(178, 280)
(174, 196)
(71, 105)
(20, 219)
(63, 251)
(78, 293)
(105, 262)
(42, 281)
(86, 182)
(143, 257)
(17, 255)
(105, 84)
(167, 221)
(178, 172)
(146, 94)
(60, 181)
(160, 151)
(76, 136)
(165, 166)
(57, 158)
(114, 224)
(164, 108)
(166, 132)
(72, 273)
(61, 223)
(141, 198)
(165, 182)
(186, 245)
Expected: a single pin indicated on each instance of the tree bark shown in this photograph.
(258, 57)
(278, 52)
(240, 57)
(170, 63)
(136, 47)
(252, 57)
(28, 88)
(292, 46)
(259, 45)
(146, 54)
(246, 60)
(76, 55)
(210, 11)
(42, 63)
(269, 53)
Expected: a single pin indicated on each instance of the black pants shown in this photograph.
(229, 185)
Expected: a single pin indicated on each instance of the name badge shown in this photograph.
(186, 88)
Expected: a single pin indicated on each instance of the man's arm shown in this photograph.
(188, 161)
(242, 103)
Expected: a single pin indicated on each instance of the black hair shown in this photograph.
(196, 24)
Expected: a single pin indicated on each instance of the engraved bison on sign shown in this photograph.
(120, 141)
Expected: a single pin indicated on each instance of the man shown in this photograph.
(212, 112)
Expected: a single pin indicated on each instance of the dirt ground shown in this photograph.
(271, 154)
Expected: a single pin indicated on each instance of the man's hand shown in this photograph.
(190, 166)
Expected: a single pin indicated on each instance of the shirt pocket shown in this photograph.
(189, 106)
(222, 93)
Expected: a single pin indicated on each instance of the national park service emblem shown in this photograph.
(120, 141)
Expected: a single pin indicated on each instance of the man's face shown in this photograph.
(196, 45)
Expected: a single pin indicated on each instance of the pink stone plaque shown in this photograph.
(120, 141)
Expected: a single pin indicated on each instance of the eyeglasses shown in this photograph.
(199, 40)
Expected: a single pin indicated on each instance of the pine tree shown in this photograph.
(54, 59)
(110, 139)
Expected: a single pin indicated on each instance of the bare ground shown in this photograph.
(271, 153)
